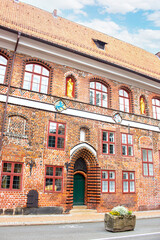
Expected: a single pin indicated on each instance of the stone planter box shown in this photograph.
(119, 223)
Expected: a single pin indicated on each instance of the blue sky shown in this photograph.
(133, 21)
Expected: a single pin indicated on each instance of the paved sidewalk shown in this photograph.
(76, 217)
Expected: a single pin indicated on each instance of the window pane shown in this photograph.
(104, 186)
(49, 184)
(111, 148)
(125, 175)
(132, 187)
(130, 151)
(58, 185)
(125, 186)
(2, 70)
(111, 137)
(29, 67)
(49, 171)
(60, 143)
(125, 93)
(92, 85)
(17, 168)
(145, 169)
(44, 81)
(104, 100)
(44, 89)
(26, 85)
(121, 92)
(61, 129)
(104, 89)
(129, 139)
(3, 60)
(37, 68)
(144, 152)
(105, 136)
(149, 155)
(111, 186)
(52, 141)
(91, 96)
(58, 171)
(98, 99)
(1, 79)
(151, 169)
(124, 138)
(36, 79)
(131, 176)
(16, 182)
(45, 71)
(98, 85)
(5, 182)
(105, 175)
(111, 175)
(52, 127)
(105, 148)
(7, 167)
(35, 87)
(124, 150)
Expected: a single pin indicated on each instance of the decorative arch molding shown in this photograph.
(81, 146)
(106, 84)
(48, 66)
(93, 176)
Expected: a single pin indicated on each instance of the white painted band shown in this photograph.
(74, 112)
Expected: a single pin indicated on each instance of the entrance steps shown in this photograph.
(82, 210)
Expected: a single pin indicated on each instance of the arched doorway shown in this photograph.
(83, 162)
(78, 189)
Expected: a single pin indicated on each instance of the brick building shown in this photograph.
(80, 115)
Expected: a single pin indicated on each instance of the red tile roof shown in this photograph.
(43, 25)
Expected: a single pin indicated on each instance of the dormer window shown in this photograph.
(99, 44)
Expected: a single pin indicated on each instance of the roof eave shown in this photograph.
(80, 53)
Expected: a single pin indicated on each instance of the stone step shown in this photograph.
(82, 209)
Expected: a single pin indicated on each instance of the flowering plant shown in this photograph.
(120, 211)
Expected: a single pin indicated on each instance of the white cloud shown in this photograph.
(50, 5)
(125, 6)
(144, 38)
(155, 18)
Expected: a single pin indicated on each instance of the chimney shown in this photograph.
(55, 13)
(158, 54)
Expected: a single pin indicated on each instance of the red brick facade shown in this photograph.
(25, 137)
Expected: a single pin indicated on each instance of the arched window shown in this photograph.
(156, 108)
(98, 94)
(70, 87)
(124, 100)
(36, 78)
(3, 66)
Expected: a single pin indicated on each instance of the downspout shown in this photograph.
(7, 95)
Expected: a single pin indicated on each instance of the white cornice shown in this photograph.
(76, 113)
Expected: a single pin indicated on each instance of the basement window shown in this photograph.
(99, 44)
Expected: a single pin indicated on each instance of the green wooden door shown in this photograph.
(79, 189)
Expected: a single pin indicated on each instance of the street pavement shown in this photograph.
(72, 217)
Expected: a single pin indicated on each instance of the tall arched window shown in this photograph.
(124, 100)
(36, 78)
(3, 66)
(98, 94)
(156, 108)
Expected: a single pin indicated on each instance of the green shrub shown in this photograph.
(120, 211)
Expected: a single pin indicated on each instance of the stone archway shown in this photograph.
(88, 154)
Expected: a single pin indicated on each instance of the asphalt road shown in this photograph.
(146, 229)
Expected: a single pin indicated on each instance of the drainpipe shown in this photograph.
(7, 95)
